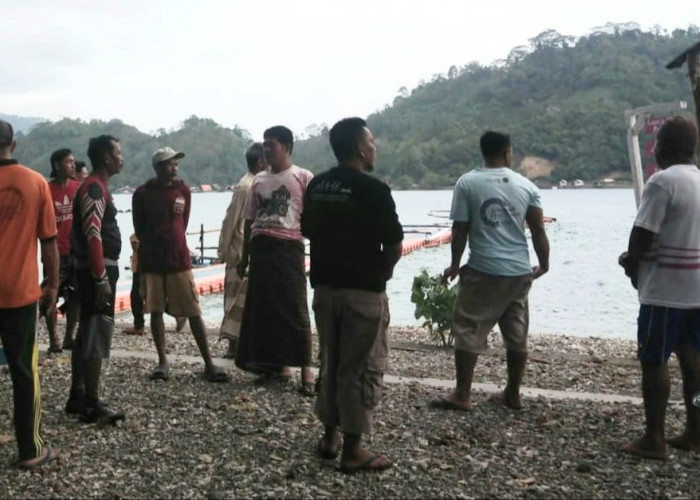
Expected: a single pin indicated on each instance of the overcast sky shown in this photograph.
(259, 63)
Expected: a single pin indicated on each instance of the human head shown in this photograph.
(165, 162)
(353, 143)
(7, 140)
(255, 158)
(81, 171)
(496, 148)
(278, 143)
(105, 154)
(62, 164)
(676, 142)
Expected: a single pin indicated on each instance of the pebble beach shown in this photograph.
(188, 438)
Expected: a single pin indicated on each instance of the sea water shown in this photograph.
(584, 293)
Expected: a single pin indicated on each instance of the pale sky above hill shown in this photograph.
(260, 63)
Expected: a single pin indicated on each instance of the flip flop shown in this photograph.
(51, 454)
(308, 389)
(216, 374)
(55, 349)
(160, 372)
(324, 452)
(442, 403)
(367, 466)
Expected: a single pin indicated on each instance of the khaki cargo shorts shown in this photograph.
(483, 301)
(173, 293)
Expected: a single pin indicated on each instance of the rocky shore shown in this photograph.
(189, 438)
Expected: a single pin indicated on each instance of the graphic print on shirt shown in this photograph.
(179, 205)
(276, 205)
(63, 209)
(11, 204)
(92, 207)
(495, 212)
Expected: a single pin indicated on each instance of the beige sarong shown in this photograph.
(235, 290)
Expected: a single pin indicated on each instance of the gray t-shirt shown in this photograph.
(669, 275)
(495, 201)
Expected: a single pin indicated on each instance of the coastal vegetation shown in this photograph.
(561, 98)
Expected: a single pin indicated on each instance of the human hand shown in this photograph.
(241, 269)
(538, 271)
(103, 295)
(47, 302)
(449, 274)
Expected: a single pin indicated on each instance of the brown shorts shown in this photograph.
(484, 300)
(173, 293)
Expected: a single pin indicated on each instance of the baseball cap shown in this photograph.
(165, 154)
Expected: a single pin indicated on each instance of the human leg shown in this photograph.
(136, 306)
(158, 333)
(18, 333)
(51, 321)
(72, 314)
(689, 359)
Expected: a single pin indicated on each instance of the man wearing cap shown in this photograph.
(161, 211)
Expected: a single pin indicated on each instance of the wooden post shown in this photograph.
(201, 243)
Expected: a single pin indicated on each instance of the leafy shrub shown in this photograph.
(434, 301)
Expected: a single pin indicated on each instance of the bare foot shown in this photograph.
(508, 400)
(646, 448)
(364, 461)
(47, 454)
(329, 445)
(684, 442)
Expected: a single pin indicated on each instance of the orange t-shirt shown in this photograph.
(26, 215)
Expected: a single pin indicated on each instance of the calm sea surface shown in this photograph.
(585, 292)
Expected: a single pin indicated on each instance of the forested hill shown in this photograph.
(561, 99)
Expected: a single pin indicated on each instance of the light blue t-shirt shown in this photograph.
(494, 201)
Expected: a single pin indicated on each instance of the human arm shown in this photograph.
(640, 242)
(92, 205)
(460, 235)
(188, 205)
(245, 253)
(535, 221)
(50, 259)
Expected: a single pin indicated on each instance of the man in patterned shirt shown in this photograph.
(95, 245)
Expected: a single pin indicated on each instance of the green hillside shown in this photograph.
(561, 99)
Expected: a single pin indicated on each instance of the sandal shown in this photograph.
(51, 454)
(308, 389)
(160, 372)
(215, 374)
(55, 349)
(369, 465)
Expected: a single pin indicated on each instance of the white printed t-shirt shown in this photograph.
(669, 275)
(275, 203)
(495, 201)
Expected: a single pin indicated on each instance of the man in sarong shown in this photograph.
(350, 219)
(276, 331)
(231, 247)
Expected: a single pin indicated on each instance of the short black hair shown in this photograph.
(282, 134)
(79, 165)
(677, 140)
(98, 148)
(7, 135)
(494, 144)
(253, 155)
(57, 157)
(345, 138)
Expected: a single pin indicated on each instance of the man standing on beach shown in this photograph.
(63, 187)
(350, 219)
(490, 206)
(663, 261)
(231, 248)
(26, 215)
(95, 246)
(275, 330)
(161, 212)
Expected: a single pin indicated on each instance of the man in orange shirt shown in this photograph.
(26, 215)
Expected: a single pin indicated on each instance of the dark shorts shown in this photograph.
(67, 280)
(661, 330)
(96, 325)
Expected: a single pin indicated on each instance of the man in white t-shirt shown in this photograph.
(490, 206)
(663, 261)
(275, 329)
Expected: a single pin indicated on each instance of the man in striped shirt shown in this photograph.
(663, 261)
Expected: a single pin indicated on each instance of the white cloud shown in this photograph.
(153, 64)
